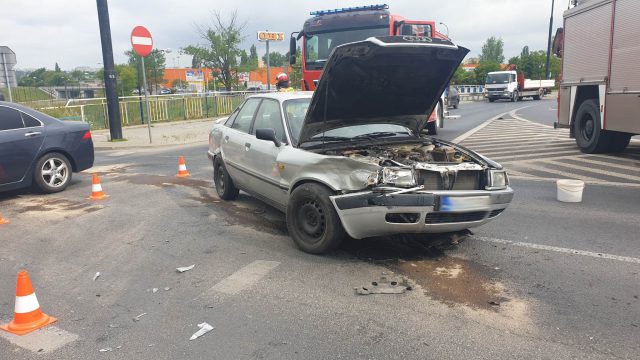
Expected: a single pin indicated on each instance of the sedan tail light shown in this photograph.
(87, 135)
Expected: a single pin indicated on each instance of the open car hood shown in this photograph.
(390, 79)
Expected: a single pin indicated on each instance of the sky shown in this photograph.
(42, 33)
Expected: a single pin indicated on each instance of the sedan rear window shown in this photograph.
(30, 121)
(10, 119)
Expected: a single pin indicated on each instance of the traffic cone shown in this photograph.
(182, 168)
(27, 314)
(96, 189)
(3, 220)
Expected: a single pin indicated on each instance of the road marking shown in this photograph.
(245, 277)
(594, 170)
(44, 340)
(559, 249)
(477, 128)
(564, 174)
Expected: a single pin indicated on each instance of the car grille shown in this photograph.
(449, 217)
(495, 213)
(464, 180)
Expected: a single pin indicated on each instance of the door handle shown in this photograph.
(247, 146)
(226, 139)
(33, 133)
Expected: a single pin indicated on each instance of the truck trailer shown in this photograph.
(599, 97)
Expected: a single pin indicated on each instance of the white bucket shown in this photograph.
(570, 190)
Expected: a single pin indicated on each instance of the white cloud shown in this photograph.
(66, 31)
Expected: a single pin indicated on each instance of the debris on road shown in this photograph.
(384, 286)
(167, 289)
(137, 318)
(106, 349)
(154, 290)
(96, 276)
(204, 328)
(186, 268)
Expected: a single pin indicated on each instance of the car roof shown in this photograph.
(282, 96)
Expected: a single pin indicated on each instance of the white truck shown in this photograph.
(512, 85)
(599, 97)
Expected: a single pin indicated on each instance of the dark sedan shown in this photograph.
(39, 150)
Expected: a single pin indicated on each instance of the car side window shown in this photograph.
(269, 117)
(10, 119)
(231, 118)
(242, 122)
(30, 121)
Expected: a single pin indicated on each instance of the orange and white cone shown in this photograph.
(3, 220)
(96, 189)
(27, 314)
(182, 168)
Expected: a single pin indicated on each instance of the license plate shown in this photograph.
(455, 203)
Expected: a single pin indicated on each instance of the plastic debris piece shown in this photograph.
(154, 290)
(106, 349)
(167, 289)
(186, 268)
(96, 276)
(384, 286)
(204, 328)
(137, 318)
(119, 346)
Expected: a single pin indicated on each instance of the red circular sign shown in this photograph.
(141, 41)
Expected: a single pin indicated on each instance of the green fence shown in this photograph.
(161, 108)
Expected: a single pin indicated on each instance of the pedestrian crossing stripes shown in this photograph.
(532, 150)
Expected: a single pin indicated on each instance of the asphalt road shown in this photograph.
(545, 280)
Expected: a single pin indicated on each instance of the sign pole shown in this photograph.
(6, 74)
(268, 69)
(146, 98)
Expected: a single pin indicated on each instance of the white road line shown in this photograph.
(593, 170)
(44, 340)
(513, 113)
(490, 137)
(604, 157)
(559, 249)
(477, 128)
(588, 161)
(564, 174)
(511, 158)
(554, 179)
(518, 141)
(245, 277)
(526, 152)
(521, 146)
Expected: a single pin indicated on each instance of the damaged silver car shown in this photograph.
(350, 159)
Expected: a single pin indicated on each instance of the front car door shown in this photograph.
(264, 153)
(235, 144)
(19, 145)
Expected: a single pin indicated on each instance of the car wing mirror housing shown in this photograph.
(269, 135)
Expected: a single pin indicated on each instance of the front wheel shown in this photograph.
(514, 97)
(52, 173)
(312, 221)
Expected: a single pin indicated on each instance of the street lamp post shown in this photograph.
(547, 73)
(445, 25)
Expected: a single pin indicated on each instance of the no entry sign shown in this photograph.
(141, 41)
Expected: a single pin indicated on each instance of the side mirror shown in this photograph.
(269, 135)
(292, 50)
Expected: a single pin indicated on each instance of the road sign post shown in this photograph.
(142, 43)
(267, 36)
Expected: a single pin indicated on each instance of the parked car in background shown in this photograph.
(165, 91)
(37, 149)
(351, 158)
(453, 97)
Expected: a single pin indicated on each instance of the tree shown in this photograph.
(154, 65)
(295, 77)
(34, 78)
(126, 78)
(221, 52)
(533, 64)
(463, 77)
(483, 68)
(57, 68)
(253, 57)
(492, 50)
(275, 59)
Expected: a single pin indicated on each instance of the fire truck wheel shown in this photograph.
(589, 136)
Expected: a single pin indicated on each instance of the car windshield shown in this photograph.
(319, 45)
(295, 111)
(497, 79)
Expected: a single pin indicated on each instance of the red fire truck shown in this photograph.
(327, 29)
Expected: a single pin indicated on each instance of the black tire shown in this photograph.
(456, 104)
(618, 141)
(589, 136)
(224, 184)
(432, 128)
(492, 99)
(514, 97)
(312, 221)
(52, 173)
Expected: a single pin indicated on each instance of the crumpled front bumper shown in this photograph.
(367, 214)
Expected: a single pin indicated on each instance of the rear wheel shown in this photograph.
(312, 221)
(589, 136)
(492, 99)
(52, 173)
(224, 185)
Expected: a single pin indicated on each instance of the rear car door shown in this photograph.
(235, 151)
(19, 145)
(263, 154)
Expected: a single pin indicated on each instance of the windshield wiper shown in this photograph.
(329, 138)
(377, 134)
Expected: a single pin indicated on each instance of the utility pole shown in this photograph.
(268, 69)
(547, 72)
(110, 84)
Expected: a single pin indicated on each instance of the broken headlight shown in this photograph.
(399, 176)
(498, 179)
